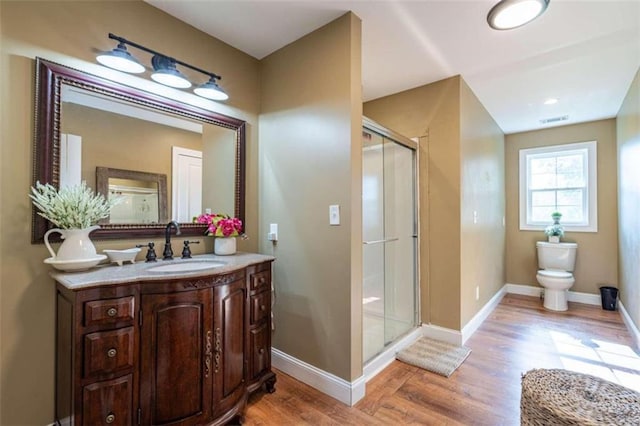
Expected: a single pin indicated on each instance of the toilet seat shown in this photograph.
(554, 274)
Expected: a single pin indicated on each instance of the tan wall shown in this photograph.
(309, 147)
(482, 192)
(628, 135)
(219, 146)
(433, 109)
(597, 257)
(62, 31)
(120, 142)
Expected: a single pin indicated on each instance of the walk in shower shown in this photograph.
(389, 232)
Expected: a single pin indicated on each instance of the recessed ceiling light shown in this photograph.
(508, 14)
(551, 101)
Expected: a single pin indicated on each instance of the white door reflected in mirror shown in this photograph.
(187, 184)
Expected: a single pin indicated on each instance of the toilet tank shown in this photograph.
(560, 256)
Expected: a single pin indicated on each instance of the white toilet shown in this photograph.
(556, 262)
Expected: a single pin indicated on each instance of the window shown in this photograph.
(559, 178)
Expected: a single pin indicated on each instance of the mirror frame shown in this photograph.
(46, 148)
(102, 187)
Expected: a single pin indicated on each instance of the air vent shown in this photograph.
(554, 119)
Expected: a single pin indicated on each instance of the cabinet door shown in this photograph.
(176, 366)
(229, 342)
(108, 403)
(260, 353)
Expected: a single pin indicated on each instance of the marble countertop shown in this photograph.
(140, 271)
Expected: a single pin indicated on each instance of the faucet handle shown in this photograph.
(186, 251)
(151, 252)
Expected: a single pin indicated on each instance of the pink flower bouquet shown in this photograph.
(220, 225)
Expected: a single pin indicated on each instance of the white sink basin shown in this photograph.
(189, 266)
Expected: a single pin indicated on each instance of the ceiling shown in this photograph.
(585, 53)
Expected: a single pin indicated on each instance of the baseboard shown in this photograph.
(478, 319)
(572, 296)
(443, 334)
(633, 330)
(586, 298)
(524, 290)
(380, 362)
(346, 392)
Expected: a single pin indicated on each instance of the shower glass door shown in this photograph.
(389, 242)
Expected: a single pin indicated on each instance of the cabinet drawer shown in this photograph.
(260, 306)
(260, 281)
(108, 311)
(108, 351)
(260, 355)
(108, 402)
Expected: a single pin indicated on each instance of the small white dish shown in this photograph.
(121, 256)
(75, 265)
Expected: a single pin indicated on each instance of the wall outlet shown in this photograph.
(477, 292)
(475, 217)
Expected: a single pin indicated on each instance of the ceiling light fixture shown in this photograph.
(509, 14)
(164, 69)
(551, 101)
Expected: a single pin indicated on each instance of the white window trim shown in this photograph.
(592, 186)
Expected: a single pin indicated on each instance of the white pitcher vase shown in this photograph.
(76, 244)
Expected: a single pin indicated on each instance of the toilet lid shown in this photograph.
(554, 274)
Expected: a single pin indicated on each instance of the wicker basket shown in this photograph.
(560, 397)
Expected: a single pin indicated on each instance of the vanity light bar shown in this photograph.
(165, 71)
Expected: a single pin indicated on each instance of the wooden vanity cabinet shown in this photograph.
(179, 352)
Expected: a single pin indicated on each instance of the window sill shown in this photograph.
(541, 228)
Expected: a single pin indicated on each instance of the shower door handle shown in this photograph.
(387, 240)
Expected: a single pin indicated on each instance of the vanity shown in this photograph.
(175, 342)
(181, 342)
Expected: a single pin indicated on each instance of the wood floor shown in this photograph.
(518, 336)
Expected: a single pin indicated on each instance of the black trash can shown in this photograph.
(609, 298)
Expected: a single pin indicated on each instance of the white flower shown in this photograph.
(72, 207)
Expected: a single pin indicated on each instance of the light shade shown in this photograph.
(167, 74)
(508, 14)
(120, 59)
(211, 90)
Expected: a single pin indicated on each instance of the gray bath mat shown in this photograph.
(433, 355)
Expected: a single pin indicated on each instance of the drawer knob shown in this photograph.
(112, 312)
(112, 352)
(110, 418)
(261, 351)
(262, 307)
(261, 280)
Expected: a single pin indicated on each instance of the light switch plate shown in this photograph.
(334, 214)
(273, 232)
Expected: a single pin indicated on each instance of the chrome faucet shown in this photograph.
(168, 253)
